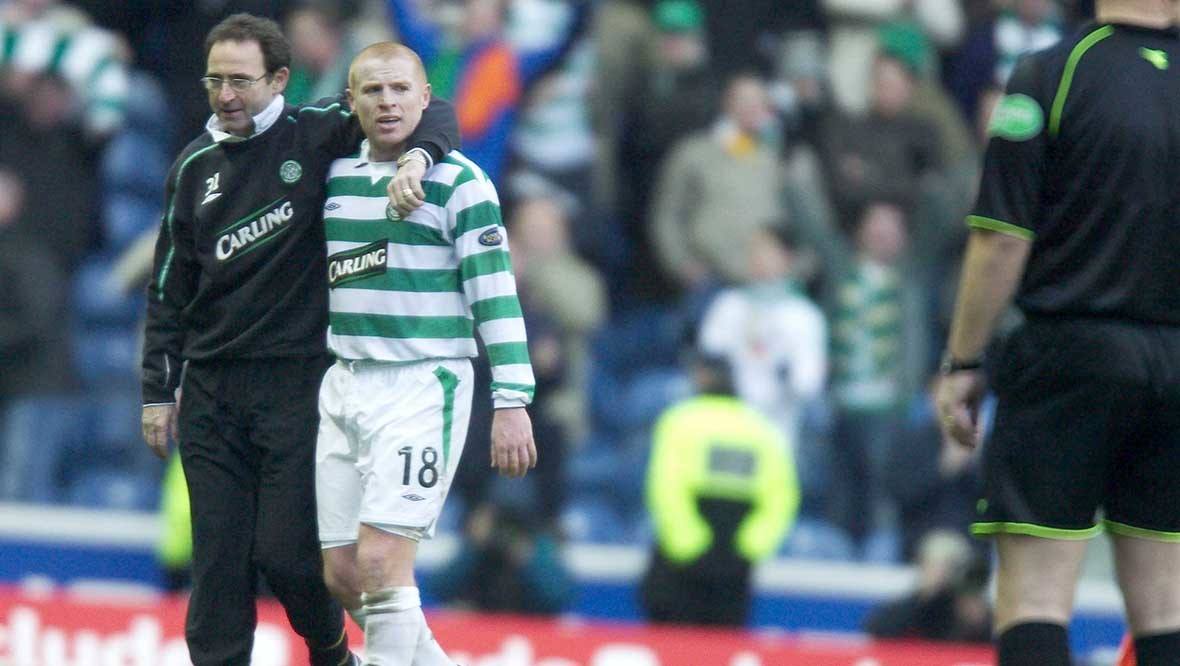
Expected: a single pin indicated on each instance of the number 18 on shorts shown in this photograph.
(390, 439)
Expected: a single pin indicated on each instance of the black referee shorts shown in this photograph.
(1088, 419)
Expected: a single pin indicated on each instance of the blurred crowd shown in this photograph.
(776, 186)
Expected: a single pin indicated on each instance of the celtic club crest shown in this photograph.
(290, 172)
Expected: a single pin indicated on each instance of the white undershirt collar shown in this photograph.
(262, 122)
(375, 170)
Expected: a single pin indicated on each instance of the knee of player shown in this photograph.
(384, 559)
(342, 577)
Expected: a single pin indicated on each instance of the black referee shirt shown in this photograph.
(1084, 160)
(240, 269)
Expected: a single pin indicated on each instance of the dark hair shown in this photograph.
(276, 50)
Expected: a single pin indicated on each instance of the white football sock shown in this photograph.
(393, 622)
(429, 652)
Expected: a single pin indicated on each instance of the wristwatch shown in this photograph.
(950, 364)
(414, 154)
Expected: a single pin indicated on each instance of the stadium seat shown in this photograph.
(587, 518)
(37, 430)
(882, 547)
(97, 301)
(592, 464)
(135, 164)
(148, 111)
(49, 444)
(817, 539)
(639, 339)
(113, 488)
(107, 356)
(621, 405)
(126, 217)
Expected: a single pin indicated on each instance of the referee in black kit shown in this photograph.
(239, 294)
(1079, 218)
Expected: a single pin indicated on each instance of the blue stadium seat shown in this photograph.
(593, 464)
(590, 519)
(50, 444)
(135, 164)
(113, 488)
(107, 356)
(126, 217)
(115, 417)
(148, 110)
(883, 546)
(97, 301)
(37, 433)
(639, 339)
(621, 405)
(817, 539)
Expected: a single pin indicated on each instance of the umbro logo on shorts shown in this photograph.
(413, 497)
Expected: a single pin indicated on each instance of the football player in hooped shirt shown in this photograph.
(406, 297)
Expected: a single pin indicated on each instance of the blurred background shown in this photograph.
(755, 199)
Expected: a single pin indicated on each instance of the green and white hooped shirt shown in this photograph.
(417, 288)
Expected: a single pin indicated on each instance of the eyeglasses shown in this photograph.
(237, 83)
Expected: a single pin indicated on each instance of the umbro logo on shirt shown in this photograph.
(212, 185)
(413, 497)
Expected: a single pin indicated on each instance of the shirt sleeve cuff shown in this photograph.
(158, 395)
(507, 403)
(425, 154)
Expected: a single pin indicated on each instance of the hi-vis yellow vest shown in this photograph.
(717, 447)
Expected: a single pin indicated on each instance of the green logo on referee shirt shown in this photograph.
(1156, 57)
(1016, 118)
(290, 171)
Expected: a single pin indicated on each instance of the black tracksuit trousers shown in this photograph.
(247, 443)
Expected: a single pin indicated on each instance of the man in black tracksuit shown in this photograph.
(239, 294)
(1078, 223)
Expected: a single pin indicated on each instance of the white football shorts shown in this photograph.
(389, 442)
